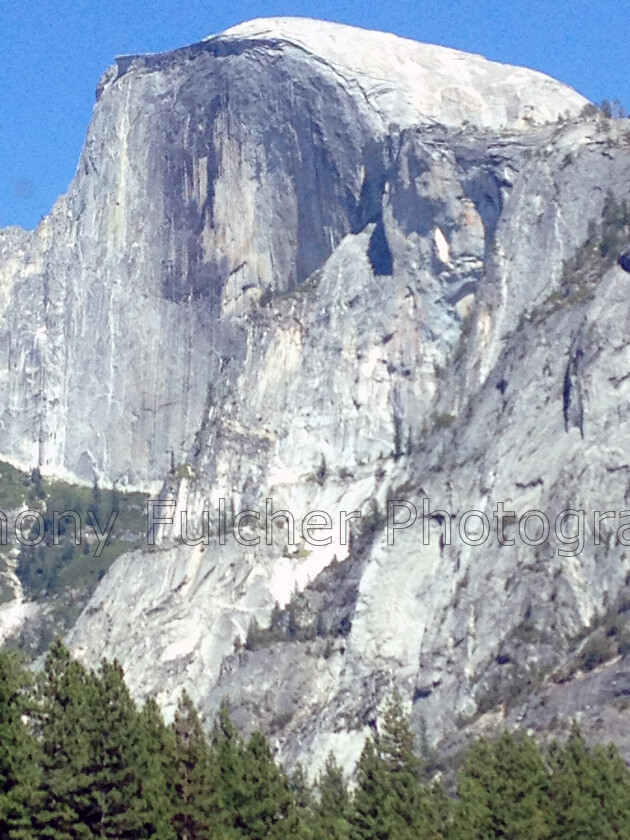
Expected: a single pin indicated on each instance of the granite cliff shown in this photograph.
(331, 268)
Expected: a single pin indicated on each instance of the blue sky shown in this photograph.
(54, 53)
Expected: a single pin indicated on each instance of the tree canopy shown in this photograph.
(80, 759)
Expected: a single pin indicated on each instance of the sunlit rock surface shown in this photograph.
(326, 267)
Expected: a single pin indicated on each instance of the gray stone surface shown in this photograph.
(277, 272)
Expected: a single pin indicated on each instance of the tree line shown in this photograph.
(79, 760)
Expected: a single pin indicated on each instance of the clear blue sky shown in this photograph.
(53, 53)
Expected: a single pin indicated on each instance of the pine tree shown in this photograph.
(503, 791)
(196, 804)
(388, 800)
(255, 793)
(18, 753)
(590, 791)
(396, 745)
(62, 714)
(157, 762)
(371, 815)
(91, 783)
(331, 820)
(436, 811)
(228, 754)
(304, 800)
(117, 808)
(613, 788)
(268, 809)
(109, 771)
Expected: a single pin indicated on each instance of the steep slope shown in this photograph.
(210, 176)
(329, 268)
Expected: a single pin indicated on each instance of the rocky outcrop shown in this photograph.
(212, 176)
(329, 271)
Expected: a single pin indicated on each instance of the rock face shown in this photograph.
(327, 268)
(211, 176)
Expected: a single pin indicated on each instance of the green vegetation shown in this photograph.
(309, 615)
(607, 638)
(584, 270)
(79, 759)
(64, 574)
(515, 682)
(14, 487)
(612, 109)
(444, 420)
(294, 623)
(47, 569)
(604, 640)
(295, 294)
(184, 471)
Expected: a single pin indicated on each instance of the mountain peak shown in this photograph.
(407, 82)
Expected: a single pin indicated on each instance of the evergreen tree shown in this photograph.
(503, 791)
(109, 771)
(228, 754)
(255, 792)
(116, 807)
(590, 792)
(332, 812)
(304, 800)
(300, 788)
(91, 783)
(157, 762)
(267, 810)
(388, 799)
(371, 816)
(18, 753)
(196, 804)
(436, 811)
(62, 719)
(613, 789)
